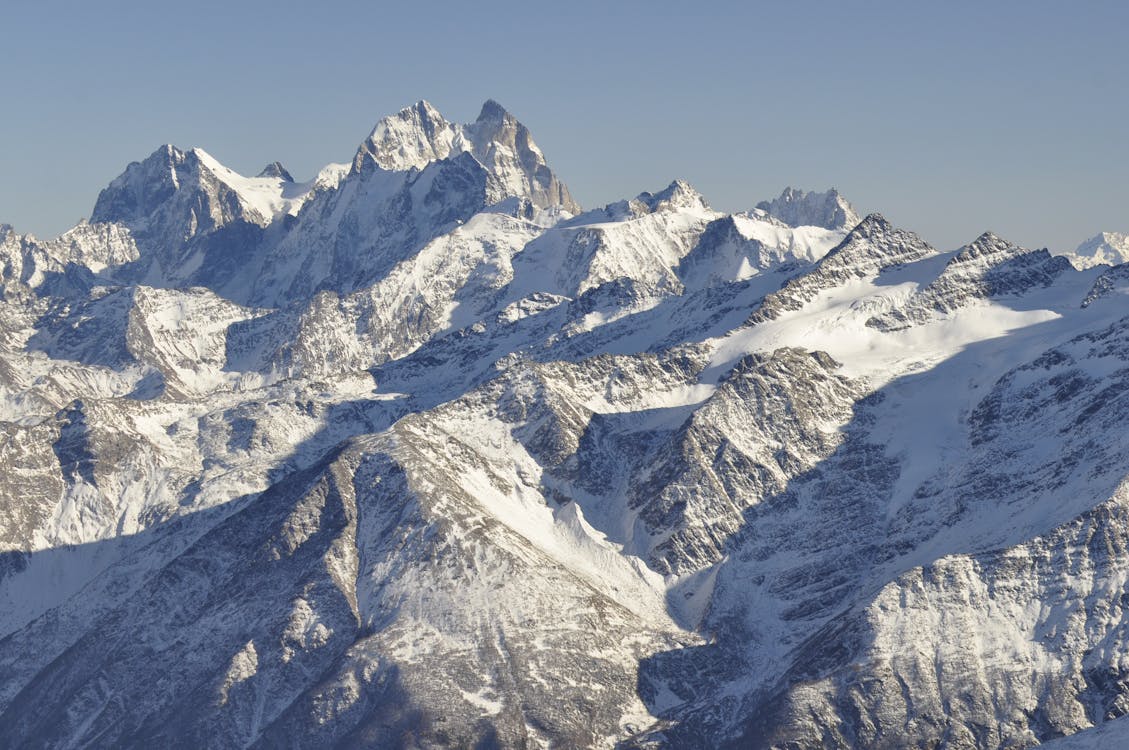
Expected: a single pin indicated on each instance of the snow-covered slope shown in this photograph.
(1107, 248)
(419, 454)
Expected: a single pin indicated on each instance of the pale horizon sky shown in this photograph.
(950, 119)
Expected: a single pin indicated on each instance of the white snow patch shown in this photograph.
(835, 322)
(485, 699)
(272, 197)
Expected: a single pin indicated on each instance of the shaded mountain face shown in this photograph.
(417, 453)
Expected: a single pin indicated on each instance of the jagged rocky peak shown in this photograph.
(506, 148)
(277, 171)
(144, 185)
(798, 208)
(876, 244)
(872, 224)
(990, 251)
(418, 135)
(174, 197)
(873, 230)
(413, 137)
(989, 247)
(147, 187)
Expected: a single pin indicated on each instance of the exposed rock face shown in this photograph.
(277, 171)
(873, 246)
(797, 208)
(419, 135)
(766, 423)
(988, 268)
(417, 454)
(141, 196)
(1111, 281)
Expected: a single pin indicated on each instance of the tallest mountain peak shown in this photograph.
(424, 113)
(492, 110)
(419, 135)
(413, 137)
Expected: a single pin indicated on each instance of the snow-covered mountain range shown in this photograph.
(419, 453)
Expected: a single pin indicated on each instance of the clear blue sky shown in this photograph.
(949, 118)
